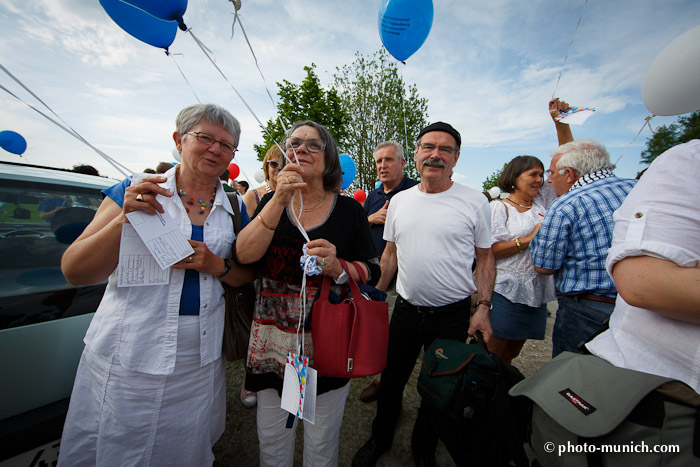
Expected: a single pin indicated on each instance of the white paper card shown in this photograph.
(291, 391)
(161, 236)
(299, 388)
(310, 397)
(137, 266)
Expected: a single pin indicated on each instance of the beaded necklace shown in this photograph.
(202, 204)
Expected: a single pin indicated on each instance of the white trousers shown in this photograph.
(320, 439)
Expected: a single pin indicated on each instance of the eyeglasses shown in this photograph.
(428, 148)
(209, 140)
(273, 164)
(312, 145)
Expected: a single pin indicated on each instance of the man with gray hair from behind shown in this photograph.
(574, 239)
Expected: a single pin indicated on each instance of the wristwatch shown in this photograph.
(227, 268)
(484, 302)
(342, 277)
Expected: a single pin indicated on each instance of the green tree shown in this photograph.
(690, 127)
(305, 101)
(380, 107)
(664, 138)
(492, 180)
(667, 136)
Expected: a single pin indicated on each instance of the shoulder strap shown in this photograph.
(505, 206)
(236, 218)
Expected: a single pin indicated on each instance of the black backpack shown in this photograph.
(465, 387)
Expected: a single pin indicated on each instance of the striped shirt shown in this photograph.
(576, 234)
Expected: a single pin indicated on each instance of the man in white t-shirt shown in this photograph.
(434, 232)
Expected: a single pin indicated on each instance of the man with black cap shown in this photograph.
(434, 232)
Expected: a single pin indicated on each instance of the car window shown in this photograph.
(37, 223)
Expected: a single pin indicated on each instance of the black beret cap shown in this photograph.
(442, 126)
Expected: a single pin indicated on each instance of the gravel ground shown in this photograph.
(238, 445)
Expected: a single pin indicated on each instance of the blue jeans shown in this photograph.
(576, 322)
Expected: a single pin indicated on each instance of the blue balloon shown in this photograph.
(404, 25)
(349, 170)
(13, 142)
(378, 184)
(152, 22)
(169, 10)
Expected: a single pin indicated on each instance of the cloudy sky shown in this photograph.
(488, 68)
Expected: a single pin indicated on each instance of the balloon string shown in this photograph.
(301, 202)
(118, 166)
(171, 55)
(255, 58)
(646, 122)
(403, 108)
(566, 58)
(208, 55)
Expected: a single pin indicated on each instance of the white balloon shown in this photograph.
(259, 176)
(494, 192)
(176, 155)
(671, 85)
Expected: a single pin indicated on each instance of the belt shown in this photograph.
(596, 298)
(462, 305)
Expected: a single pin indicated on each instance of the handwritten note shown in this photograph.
(161, 236)
(137, 266)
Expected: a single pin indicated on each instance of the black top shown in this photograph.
(347, 228)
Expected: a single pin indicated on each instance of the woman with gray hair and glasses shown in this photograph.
(150, 388)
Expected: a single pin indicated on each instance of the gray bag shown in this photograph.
(587, 412)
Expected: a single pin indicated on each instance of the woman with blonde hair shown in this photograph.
(273, 162)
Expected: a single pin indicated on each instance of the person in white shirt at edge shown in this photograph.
(434, 232)
(655, 262)
(150, 387)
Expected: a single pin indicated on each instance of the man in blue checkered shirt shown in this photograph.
(574, 239)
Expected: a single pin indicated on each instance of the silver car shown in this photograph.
(43, 318)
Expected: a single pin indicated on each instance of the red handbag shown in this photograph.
(350, 338)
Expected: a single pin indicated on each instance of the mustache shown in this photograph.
(439, 163)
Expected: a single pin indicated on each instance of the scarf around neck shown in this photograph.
(592, 177)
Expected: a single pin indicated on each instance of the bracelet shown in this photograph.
(263, 223)
(227, 268)
(484, 302)
(518, 244)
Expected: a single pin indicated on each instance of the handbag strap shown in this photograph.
(360, 271)
(505, 206)
(236, 218)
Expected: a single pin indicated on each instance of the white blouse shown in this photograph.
(140, 324)
(659, 218)
(516, 278)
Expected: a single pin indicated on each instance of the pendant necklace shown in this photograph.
(517, 204)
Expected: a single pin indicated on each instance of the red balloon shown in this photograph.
(360, 196)
(233, 171)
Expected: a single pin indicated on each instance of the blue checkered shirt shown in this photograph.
(576, 234)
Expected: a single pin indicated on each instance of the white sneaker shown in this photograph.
(248, 399)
